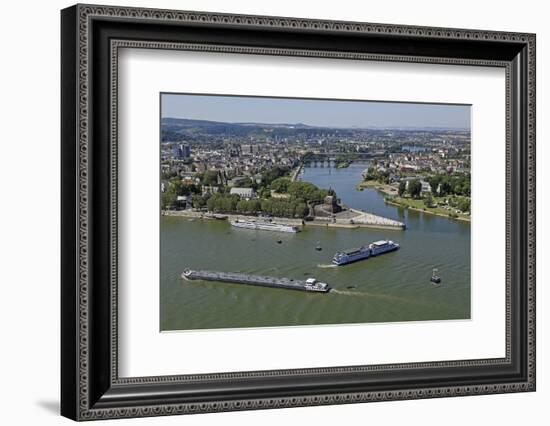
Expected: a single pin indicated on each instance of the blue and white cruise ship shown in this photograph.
(353, 255)
(364, 252)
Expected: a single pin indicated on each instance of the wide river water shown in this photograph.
(392, 287)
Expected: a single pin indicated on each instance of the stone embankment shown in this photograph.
(349, 218)
(221, 216)
(375, 220)
(352, 218)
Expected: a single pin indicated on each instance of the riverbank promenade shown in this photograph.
(348, 218)
(353, 218)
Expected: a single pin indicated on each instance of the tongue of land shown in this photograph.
(352, 218)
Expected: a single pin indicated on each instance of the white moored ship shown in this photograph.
(263, 226)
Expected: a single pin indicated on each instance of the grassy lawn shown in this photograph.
(414, 203)
(369, 184)
(387, 189)
(419, 205)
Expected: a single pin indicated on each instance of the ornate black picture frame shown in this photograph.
(91, 36)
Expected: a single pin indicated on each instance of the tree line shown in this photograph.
(456, 184)
(414, 189)
(302, 191)
(300, 195)
(177, 188)
(231, 203)
(441, 184)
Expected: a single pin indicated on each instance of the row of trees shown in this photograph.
(223, 203)
(457, 184)
(209, 178)
(167, 200)
(285, 208)
(462, 204)
(299, 191)
(212, 177)
(274, 173)
(414, 188)
(441, 184)
(227, 203)
(300, 195)
(177, 188)
(377, 175)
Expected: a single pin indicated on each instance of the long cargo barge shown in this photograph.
(311, 284)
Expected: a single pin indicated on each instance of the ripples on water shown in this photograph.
(392, 287)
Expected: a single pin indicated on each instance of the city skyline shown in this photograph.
(314, 112)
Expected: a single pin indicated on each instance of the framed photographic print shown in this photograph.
(263, 212)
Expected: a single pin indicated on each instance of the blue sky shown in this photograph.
(314, 112)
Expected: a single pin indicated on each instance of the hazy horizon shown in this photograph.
(314, 112)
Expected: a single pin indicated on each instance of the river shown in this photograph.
(392, 287)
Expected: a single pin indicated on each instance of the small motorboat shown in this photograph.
(436, 279)
(318, 246)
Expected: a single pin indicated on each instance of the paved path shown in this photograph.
(362, 217)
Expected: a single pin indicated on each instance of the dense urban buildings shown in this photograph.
(245, 162)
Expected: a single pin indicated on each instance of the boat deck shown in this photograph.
(257, 280)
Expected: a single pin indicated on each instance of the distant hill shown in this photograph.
(184, 128)
(186, 122)
(174, 129)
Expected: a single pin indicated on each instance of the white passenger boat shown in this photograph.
(373, 249)
(263, 226)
